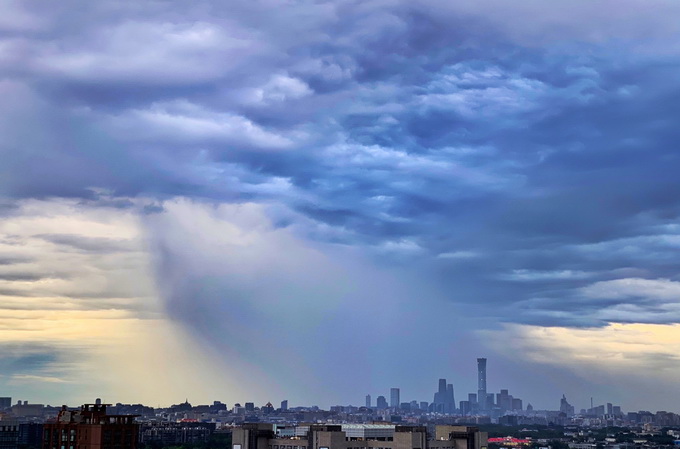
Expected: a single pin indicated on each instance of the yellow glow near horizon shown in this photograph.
(78, 292)
(605, 349)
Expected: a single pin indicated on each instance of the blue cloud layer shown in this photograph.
(521, 158)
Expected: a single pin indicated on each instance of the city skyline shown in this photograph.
(444, 395)
(126, 426)
(317, 200)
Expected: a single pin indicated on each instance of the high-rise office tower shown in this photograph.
(450, 399)
(381, 403)
(394, 397)
(444, 401)
(440, 397)
(490, 401)
(516, 404)
(481, 381)
(504, 400)
(284, 405)
(368, 400)
(566, 407)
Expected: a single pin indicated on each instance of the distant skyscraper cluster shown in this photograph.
(444, 402)
(487, 403)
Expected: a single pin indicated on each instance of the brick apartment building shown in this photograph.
(90, 428)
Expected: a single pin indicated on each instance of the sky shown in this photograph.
(262, 200)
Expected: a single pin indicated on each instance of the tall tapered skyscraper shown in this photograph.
(481, 383)
(450, 399)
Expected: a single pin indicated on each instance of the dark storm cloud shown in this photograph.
(25, 358)
(89, 244)
(30, 277)
(41, 366)
(439, 130)
(12, 260)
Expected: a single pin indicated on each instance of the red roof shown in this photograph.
(509, 440)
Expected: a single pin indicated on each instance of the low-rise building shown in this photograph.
(356, 436)
(175, 433)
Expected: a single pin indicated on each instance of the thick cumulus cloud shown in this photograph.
(519, 161)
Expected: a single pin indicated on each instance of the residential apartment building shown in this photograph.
(90, 428)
